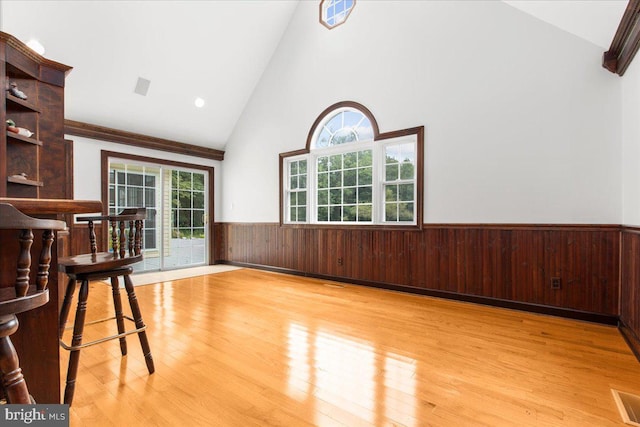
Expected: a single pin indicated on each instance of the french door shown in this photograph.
(175, 231)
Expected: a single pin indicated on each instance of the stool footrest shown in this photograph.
(101, 340)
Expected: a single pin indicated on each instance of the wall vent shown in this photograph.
(629, 407)
(142, 86)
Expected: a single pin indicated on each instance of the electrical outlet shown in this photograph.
(340, 261)
(556, 283)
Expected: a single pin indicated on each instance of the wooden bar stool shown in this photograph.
(21, 296)
(126, 242)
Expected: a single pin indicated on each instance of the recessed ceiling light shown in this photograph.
(199, 102)
(36, 46)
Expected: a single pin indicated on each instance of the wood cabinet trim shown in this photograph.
(25, 51)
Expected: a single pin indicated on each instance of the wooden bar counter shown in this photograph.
(36, 340)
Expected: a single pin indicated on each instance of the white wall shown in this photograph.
(87, 162)
(522, 122)
(631, 143)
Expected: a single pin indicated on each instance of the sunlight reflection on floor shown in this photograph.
(344, 370)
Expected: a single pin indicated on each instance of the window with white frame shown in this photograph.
(297, 190)
(335, 12)
(133, 185)
(351, 175)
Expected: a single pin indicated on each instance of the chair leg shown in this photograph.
(78, 328)
(13, 382)
(66, 306)
(137, 316)
(117, 304)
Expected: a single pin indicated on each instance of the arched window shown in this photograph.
(350, 174)
(345, 125)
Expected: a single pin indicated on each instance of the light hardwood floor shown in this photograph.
(253, 348)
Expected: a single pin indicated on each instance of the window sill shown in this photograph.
(401, 227)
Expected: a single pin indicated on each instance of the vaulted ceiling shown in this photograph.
(593, 20)
(215, 50)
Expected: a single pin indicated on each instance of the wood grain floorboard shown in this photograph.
(255, 348)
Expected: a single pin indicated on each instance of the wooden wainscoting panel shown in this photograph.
(630, 288)
(503, 262)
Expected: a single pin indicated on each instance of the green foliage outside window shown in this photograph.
(344, 183)
(187, 205)
(297, 191)
(399, 195)
(352, 176)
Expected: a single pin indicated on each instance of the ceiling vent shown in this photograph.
(629, 407)
(142, 86)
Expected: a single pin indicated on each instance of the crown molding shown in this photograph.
(626, 41)
(102, 133)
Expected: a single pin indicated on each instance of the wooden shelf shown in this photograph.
(17, 137)
(23, 181)
(15, 103)
(47, 159)
(17, 72)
